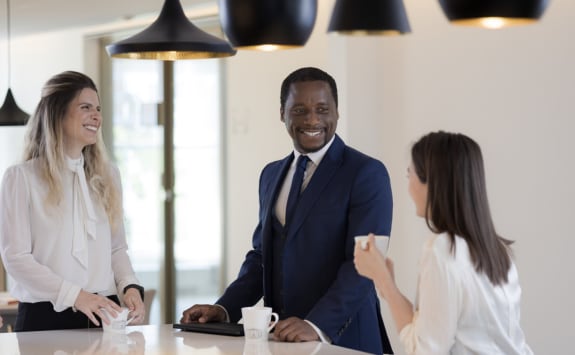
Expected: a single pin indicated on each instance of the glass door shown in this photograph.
(198, 181)
(139, 133)
(137, 149)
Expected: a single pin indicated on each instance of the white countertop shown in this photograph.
(151, 340)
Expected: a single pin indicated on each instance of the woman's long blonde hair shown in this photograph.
(44, 142)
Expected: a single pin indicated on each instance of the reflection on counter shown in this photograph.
(151, 340)
(257, 348)
(84, 342)
(227, 346)
(277, 348)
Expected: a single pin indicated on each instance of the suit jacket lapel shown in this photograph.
(275, 186)
(271, 197)
(325, 171)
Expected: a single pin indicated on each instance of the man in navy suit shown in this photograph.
(303, 267)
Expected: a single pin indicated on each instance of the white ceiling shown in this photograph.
(36, 16)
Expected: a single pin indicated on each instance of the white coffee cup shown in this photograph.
(258, 321)
(381, 242)
(116, 324)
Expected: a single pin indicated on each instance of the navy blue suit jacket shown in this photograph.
(348, 195)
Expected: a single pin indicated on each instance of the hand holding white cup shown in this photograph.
(381, 242)
(117, 324)
(258, 321)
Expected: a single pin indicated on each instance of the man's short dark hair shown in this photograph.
(303, 75)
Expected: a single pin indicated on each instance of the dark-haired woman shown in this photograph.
(61, 230)
(468, 291)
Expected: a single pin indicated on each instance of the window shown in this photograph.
(137, 146)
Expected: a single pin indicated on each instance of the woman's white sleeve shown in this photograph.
(16, 245)
(434, 324)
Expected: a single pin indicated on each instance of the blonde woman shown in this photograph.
(61, 231)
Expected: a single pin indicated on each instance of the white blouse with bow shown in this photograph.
(52, 252)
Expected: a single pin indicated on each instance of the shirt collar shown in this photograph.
(315, 157)
(75, 164)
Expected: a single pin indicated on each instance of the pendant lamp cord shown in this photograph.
(8, 38)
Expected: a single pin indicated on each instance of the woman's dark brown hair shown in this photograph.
(451, 165)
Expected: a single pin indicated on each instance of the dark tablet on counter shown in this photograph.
(231, 329)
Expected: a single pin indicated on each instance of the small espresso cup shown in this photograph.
(117, 324)
(258, 321)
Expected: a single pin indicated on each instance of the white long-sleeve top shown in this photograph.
(459, 311)
(50, 251)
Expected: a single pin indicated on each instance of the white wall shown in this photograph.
(34, 60)
(511, 90)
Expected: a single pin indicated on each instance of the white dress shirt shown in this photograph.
(314, 160)
(458, 311)
(52, 252)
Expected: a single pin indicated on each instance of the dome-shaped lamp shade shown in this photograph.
(10, 113)
(369, 17)
(493, 13)
(267, 24)
(171, 37)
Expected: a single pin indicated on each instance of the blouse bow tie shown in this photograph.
(84, 217)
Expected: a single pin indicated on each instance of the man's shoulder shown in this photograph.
(357, 153)
(274, 167)
(356, 157)
(276, 164)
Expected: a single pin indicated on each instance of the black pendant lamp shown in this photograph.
(493, 13)
(369, 17)
(171, 37)
(267, 24)
(10, 113)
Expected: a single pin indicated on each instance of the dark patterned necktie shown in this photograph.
(295, 189)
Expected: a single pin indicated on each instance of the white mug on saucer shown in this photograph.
(258, 321)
